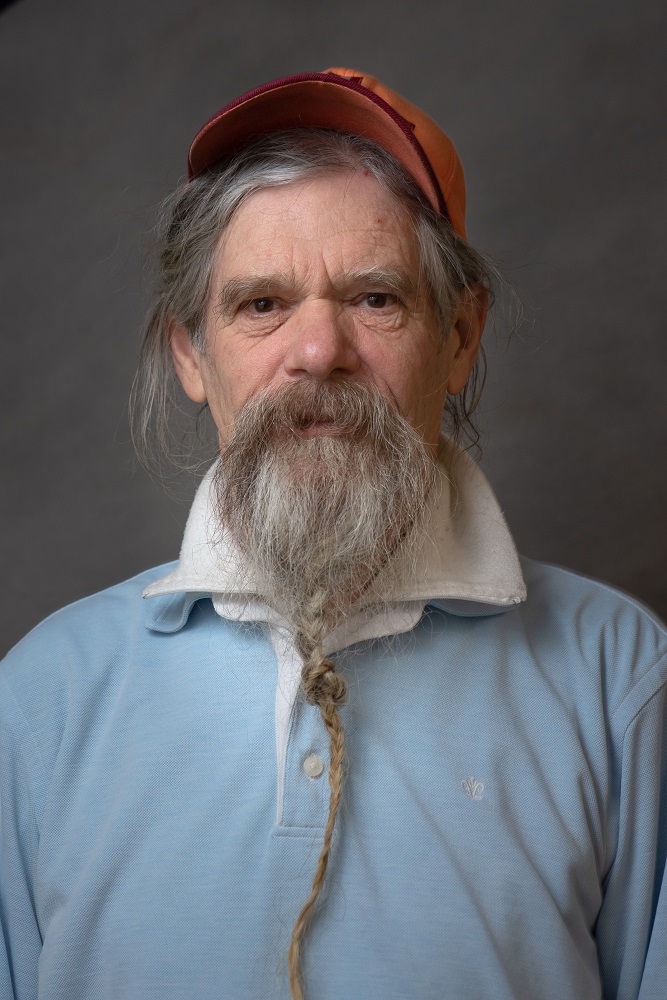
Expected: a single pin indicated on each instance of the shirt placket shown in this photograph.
(302, 753)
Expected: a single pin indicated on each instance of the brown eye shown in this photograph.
(377, 300)
(262, 305)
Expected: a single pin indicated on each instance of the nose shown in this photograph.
(322, 342)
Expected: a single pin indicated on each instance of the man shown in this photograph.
(349, 745)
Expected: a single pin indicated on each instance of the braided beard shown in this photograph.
(318, 516)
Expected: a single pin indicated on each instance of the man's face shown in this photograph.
(320, 280)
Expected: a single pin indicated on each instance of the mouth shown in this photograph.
(319, 427)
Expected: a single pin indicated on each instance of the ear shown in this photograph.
(187, 362)
(466, 334)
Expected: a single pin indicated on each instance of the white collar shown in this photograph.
(466, 553)
(467, 565)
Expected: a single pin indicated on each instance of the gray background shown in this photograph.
(557, 110)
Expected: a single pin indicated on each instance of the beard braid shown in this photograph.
(318, 517)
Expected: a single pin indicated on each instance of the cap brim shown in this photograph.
(314, 101)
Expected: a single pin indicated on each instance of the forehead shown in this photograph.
(341, 220)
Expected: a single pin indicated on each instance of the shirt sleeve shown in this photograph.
(20, 778)
(632, 925)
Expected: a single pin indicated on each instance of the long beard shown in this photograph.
(318, 516)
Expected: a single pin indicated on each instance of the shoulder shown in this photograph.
(92, 616)
(557, 594)
(592, 627)
(74, 639)
(67, 669)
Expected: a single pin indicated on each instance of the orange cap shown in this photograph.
(347, 101)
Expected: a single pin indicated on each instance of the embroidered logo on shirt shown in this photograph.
(473, 788)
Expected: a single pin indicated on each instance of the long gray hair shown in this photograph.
(190, 225)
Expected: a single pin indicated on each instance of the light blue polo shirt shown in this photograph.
(502, 835)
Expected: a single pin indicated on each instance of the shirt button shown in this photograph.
(313, 766)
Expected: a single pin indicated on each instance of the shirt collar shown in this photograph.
(466, 561)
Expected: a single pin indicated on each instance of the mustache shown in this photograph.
(352, 407)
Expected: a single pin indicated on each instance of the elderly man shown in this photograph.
(350, 745)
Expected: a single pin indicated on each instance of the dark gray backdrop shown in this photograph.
(557, 111)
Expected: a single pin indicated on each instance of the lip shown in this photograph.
(322, 428)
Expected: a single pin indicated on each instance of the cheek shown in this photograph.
(426, 401)
(231, 378)
(424, 395)
(219, 396)
(420, 377)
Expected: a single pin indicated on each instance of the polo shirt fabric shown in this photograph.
(504, 824)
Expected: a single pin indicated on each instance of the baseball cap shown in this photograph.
(348, 101)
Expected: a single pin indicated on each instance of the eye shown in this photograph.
(262, 305)
(379, 300)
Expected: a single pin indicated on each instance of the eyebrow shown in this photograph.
(396, 280)
(253, 287)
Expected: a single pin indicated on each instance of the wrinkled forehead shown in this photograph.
(326, 186)
(345, 219)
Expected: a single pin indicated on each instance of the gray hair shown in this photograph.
(191, 223)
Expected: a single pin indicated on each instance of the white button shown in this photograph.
(313, 766)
